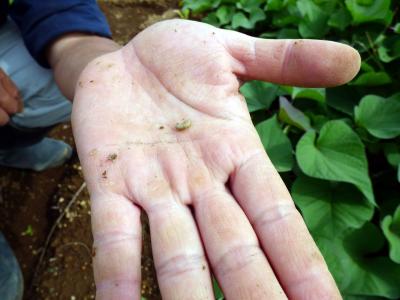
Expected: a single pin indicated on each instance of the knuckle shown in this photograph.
(280, 212)
(238, 258)
(110, 239)
(180, 265)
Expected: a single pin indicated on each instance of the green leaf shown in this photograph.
(225, 14)
(391, 229)
(217, 290)
(372, 79)
(377, 276)
(343, 98)
(248, 5)
(330, 208)
(318, 121)
(389, 49)
(276, 143)
(377, 10)
(398, 173)
(392, 153)
(259, 95)
(240, 20)
(198, 6)
(288, 33)
(352, 297)
(396, 28)
(313, 23)
(282, 19)
(317, 94)
(337, 154)
(293, 116)
(309, 9)
(340, 19)
(366, 67)
(212, 19)
(394, 97)
(256, 15)
(381, 117)
(355, 269)
(274, 5)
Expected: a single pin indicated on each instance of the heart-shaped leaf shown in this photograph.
(376, 10)
(337, 154)
(330, 208)
(357, 269)
(381, 117)
(260, 95)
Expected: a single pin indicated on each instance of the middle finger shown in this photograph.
(182, 269)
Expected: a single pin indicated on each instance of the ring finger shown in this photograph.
(235, 255)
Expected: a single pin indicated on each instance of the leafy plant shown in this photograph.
(338, 148)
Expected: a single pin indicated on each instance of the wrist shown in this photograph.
(71, 53)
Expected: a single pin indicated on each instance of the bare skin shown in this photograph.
(214, 200)
(10, 99)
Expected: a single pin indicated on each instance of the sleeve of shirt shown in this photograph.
(41, 22)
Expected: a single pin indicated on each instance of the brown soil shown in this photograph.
(31, 202)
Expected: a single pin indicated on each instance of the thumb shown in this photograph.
(308, 63)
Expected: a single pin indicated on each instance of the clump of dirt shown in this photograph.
(31, 202)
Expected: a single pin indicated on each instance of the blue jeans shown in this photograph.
(11, 282)
(44, 105)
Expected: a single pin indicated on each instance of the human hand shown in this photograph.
(10, 100)
(161, 126)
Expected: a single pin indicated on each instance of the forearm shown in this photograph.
(69, 55)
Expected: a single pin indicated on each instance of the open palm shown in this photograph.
(161, 126)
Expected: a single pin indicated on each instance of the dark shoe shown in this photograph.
(48, 153)
(11, 281)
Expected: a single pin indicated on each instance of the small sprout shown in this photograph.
(28, 231)
(112, 157)
(185, 124)
(93, 251)
(104, 174)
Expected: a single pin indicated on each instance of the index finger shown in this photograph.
(308, 63)
(296, 260)
(117, 247)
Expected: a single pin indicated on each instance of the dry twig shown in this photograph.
(52, 230)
